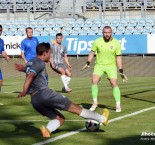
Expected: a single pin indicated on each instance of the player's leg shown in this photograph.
(87, 114)
(112, 75)
(96, 78)
(68, 78)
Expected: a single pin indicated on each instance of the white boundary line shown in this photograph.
(82, 129)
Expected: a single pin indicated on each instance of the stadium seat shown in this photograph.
(120, 30)
(123, 22)
(71, 23)
(76, 31)
(94, 30)
(147, 30)
(113, 29)
(115, 4)
(67, 30)
(88, 23)
(33, 24)
(141, 22)
(50, 23)
(48, 29)
(79, 23)
(115, 22)
(57, 29)
(129, 30)
(132, 3)
(105, 22)
(36, 34)
(44, 34)
(59, 23)
(38, 30)
(150, 22)
(150, 3)
(132, 22)
(138, 30)
(97, 23)
(84, 31)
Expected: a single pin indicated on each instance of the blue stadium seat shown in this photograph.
(57, 29)
(84, 31)
(115, 22)
(38, 29)
(21, 31)
(79, 23)
(67, 30)
(147, 30)
(105, 22)
(138, 30)
(76, 31)
(33, 24)
(71, 23)
(94, 29)
(132, 22)
(150, 22)
(48, 29)
(129, 30)
(50, 23)
(132, 3)
(120, 30)
(88, 23)
(59, 23)
(115, 4)
(36, 34)
(141, 22)
(44, 34)
(97, 23)
(123, 22)
(113, 29)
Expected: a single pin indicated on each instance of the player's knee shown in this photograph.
(113, 84)
(95, 81)
(61, 119)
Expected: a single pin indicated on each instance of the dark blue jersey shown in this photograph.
(37, 66)
(28, 46)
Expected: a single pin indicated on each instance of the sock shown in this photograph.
(92, 115)
(116, 93)
(63, 78)
(53, 125)
(94, 93)
(68, 79)
(0, 89)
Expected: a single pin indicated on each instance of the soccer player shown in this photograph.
(4, 54)
(46, 101)
(28, 45)
(108, 58)
(58, 56)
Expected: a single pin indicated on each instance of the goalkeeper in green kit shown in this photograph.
(108, 58)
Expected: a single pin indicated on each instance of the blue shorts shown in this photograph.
(1, 77)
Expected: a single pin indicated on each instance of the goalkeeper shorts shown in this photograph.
(110, 71)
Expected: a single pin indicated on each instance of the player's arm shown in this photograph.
(27, 84)
(89, 59)
(51, 61)
(120, 67)
(4, 54)
(20, 67)
(23, 57)
(67, 61)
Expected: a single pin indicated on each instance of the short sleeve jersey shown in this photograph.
(106, 52)
(28, 46)
(58, 52)
(37, 66)
(1, 46)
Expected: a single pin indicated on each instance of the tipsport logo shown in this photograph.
(12, 45)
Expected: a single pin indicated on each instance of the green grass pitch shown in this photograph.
(19, 122)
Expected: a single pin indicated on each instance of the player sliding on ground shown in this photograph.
(108, 54)
(47, 101)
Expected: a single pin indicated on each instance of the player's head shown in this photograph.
(107, 32)
(29, 32)
(59, 38)
(1, 28)
(43, 51)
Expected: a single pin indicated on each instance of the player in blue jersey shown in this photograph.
(46, 101)
(2, 51)
(28, 46)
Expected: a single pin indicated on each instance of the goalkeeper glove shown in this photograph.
(86, 65)
(123, 76)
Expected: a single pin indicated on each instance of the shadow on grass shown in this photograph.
(139, 99)
(87, 106)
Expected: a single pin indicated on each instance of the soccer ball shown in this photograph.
(92, 125)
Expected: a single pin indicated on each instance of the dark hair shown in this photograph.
(42, 47)
(107, 27)
(28, 28)
(58, 34)
(1, 26)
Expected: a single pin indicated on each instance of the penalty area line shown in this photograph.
(82, 129)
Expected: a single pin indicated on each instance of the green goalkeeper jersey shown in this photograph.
(106, 51)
